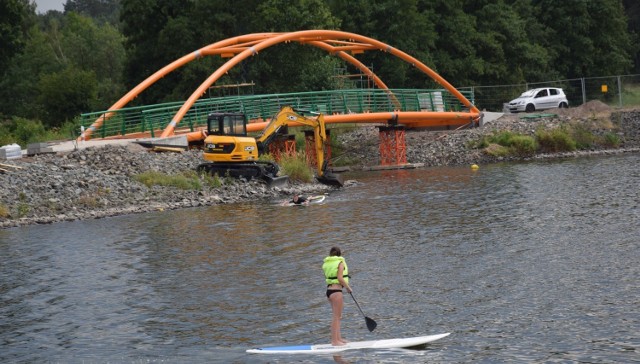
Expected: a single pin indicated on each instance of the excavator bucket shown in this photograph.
(278, 181)
(331, 179)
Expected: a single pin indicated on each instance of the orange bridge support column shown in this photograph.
(393, 148)
(310, 148)
(283, 144)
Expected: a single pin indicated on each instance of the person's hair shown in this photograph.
(335, 251)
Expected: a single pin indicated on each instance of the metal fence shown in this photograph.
(616, 91)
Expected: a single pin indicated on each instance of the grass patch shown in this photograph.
(88, 201)
(583, 136)
(522, 145)
(556, 140)
(506, 143)
(186, 181)
(496, 150)
(211, 181)
(4, 211)
(23, 207)
(296, 168)
(610, 139)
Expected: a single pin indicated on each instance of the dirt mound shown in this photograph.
(591, 108)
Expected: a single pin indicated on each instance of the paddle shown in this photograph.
(371, 325)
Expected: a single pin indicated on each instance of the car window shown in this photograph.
(542, 93)
(553, 91)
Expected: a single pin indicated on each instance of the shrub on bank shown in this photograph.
(4, 211)
(555, 140)
(610, 139)
(506, 143)
(296, 168)
(566, 138)
(522, 145)
(583, 136)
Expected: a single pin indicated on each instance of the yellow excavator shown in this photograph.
(231, 152)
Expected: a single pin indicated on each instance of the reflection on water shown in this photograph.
(520, 262)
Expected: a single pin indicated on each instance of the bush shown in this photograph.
(522, 145)
(211, 181)
(583, 136)
(296, 168)
(556, 140)
(4, 211)
(496, 150)
(507, 143)
(610, 139)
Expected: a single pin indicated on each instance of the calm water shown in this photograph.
(533, 262)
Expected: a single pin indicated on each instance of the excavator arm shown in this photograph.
(288, 116)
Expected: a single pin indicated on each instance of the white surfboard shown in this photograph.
(310, 200)
(328, 348)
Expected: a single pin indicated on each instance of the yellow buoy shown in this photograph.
(474, 166)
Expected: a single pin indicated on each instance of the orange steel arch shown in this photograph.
(332, 41)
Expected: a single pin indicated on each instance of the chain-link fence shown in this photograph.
(616, 91)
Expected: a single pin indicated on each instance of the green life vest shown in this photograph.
(330, 268)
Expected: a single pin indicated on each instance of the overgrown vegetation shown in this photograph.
(610, 139)
(4, 211)
(565, 138)
(507, 143)
(23, 207)
(296, 168)
(555, 140)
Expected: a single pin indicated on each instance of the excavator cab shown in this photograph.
(227, 124)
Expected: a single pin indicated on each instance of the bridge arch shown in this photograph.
(239, 48)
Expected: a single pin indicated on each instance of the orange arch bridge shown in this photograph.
(341, 44)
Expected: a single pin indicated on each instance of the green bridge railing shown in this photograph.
(154, 118)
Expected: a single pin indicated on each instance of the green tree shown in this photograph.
(632, 10)
(15, 19)
(60, 46)
(588, 38)
(454, 51)
(103, 10)
(612, 42)
(407, 25)
(19, 85)
(149, 47)
(508, 43)
(291, 67)
(66, 94)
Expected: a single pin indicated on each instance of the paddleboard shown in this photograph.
(328, 348)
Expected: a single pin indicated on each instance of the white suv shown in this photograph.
(539, 99)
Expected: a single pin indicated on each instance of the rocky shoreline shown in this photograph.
(97, 182)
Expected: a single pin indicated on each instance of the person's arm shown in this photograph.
(341, 278)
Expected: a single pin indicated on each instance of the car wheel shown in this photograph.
(563, 105)
(530, 108)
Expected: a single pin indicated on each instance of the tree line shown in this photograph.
(57, 65)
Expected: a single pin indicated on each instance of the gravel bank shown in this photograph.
(97, 182)
(451, 147)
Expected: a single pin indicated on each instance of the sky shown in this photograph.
(45, 5)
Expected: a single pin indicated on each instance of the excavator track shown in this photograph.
(268, 171)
